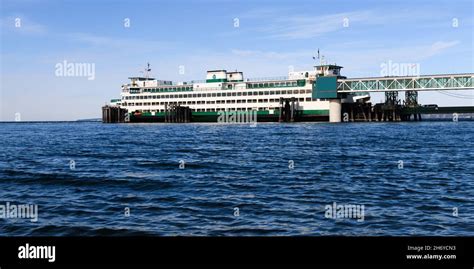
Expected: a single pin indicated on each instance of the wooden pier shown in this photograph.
(289, 110)
(177, 114)
(360, 112)
(113, 114)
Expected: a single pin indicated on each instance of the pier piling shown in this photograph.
(113, 114)
(289, 110)
(175, 113)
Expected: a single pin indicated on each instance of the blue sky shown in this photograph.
(201, 35)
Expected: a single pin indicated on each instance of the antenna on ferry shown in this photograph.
(314, 58)
(147, 70)
(322, 59)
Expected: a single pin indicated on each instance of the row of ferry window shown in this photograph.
(249, 86)
(218, 109)
(174, 89)
(275, 84)
(218, 94)
(307, 99)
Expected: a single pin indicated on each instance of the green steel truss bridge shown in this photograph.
(335, 88)
(408, 83)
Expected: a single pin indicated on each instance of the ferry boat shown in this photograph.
(147, 99)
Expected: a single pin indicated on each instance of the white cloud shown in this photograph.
(283, 24)
(440, 46)
(124, 43)
(360, 61)
(273, 55)
(303, 27)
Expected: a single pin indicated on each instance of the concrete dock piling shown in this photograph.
(335, 109)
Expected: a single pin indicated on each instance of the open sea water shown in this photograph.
(89, 178)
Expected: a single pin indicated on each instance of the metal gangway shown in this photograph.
(406, 83)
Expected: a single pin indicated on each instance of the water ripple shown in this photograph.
(237, 180)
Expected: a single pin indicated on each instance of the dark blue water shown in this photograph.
(237, 166)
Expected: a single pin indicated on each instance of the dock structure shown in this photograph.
(365, 112)
(411, 103)
(358, 111)
(336, 89)
(288, 110)
(113, 114)
(468, 111)
(174, 113)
